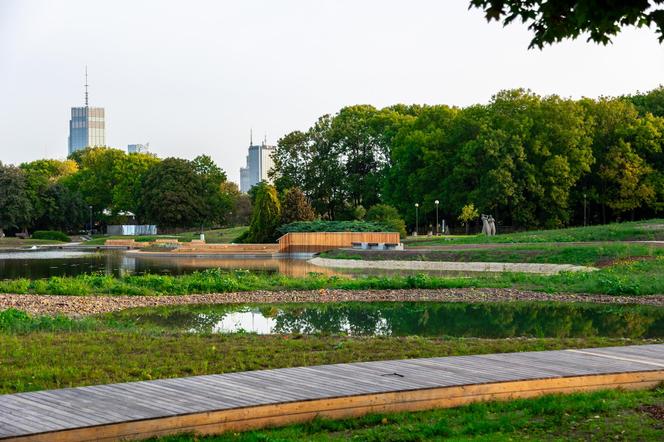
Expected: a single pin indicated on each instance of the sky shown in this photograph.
(194, 77)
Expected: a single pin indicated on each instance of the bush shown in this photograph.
(334, 226)
(51, 235)
(389, 216)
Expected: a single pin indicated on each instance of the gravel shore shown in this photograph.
(88, 305)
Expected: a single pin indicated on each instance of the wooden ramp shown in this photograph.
(240, 401)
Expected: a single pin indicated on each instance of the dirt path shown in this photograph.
(88, 305)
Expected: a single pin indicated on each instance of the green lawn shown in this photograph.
(628, 231)
(602, 415)
(19, 242)
(216, 236)
(599, 254)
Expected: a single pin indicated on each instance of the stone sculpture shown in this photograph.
(492, 225)
(485, 224)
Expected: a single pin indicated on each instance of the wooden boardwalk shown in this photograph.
(239, 401)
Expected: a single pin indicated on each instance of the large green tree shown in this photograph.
(173, 195)
(15, 206)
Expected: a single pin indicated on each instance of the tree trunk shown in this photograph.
(2, 233)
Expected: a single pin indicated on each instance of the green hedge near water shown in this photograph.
(334, 226)
(50, 234)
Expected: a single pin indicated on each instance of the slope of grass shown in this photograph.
(590, 255)
(629, 231)
(602, 415)
(19, 242)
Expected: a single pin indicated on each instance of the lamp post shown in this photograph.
(90, 209)
(437, 231)
(584, 210)
(417, 218)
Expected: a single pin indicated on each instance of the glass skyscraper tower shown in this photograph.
(87, 126)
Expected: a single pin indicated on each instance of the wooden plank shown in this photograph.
(275, 397)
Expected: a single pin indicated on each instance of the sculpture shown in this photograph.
(492, 225)
(485, 225)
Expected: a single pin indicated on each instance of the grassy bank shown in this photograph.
(628, 231)
(642, 276)
(603, 415)
(20, 242)
(215, 236)
(601, 254)
(43, 360)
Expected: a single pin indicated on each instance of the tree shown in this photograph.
(217, 204)
(295, 207)
(15, 207)
(64, 209)
(389, 216)
(40, 176)
(553, 21)
(128, 172)
(468, 214)
(266, 216)
(173, 194)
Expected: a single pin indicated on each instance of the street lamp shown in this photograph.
(90, 209)
(417, 218)
(584, 210)
(437, 202)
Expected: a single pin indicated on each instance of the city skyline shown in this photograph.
(199, 90)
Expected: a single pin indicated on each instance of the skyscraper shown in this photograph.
(259, 163)
(87, 126)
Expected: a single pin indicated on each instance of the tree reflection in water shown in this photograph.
(487, 320)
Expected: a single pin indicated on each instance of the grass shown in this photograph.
(216, 236)
(20, 242)
(44, 360)
(590, 255)
(625, 277)
(602, 415)
(628, 231)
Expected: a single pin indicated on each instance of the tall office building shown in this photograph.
(87, 126)
(259, 163)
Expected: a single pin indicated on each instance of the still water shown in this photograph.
(46, 263)
(491, 320)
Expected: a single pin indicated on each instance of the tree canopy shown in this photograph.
(552, 21)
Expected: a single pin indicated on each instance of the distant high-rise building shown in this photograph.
(87, 126)
(259, 163)
(138, 148)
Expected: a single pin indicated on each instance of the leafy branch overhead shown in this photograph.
(555, 20)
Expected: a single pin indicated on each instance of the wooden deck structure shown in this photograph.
(313, 242)
(255, 399)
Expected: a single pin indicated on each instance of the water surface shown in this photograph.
(487, 320)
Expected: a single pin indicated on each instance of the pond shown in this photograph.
(487, 320)
(46, 263)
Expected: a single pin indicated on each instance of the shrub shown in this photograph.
(53, 235)
(389, 216)
(333, 226)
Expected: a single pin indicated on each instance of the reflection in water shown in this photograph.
(44, 264)
(490, 320)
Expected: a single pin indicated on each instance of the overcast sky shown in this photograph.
(193, 77)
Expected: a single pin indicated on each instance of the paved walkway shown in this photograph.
(240, 401)
(452, 266)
